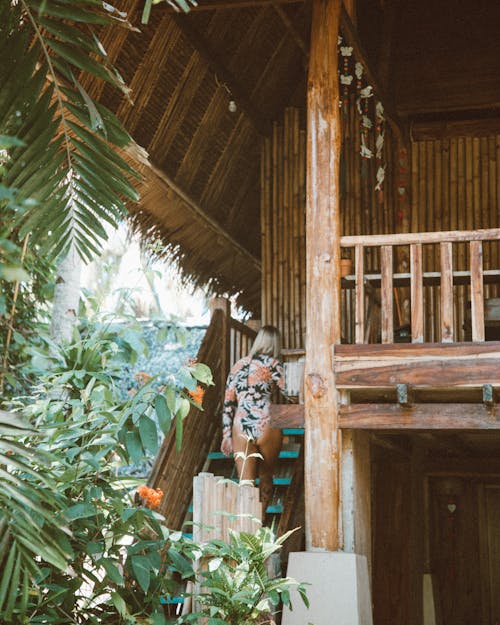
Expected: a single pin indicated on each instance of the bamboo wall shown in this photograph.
(455, 185)
(447, 184)
(283, 192)
(283, 195)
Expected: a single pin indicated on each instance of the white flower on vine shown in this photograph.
(346, 50)
(346, 79)
(358, 70)
(380, 178)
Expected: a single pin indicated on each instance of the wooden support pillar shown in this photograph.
(323, 281)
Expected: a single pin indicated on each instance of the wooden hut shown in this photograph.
(281, 136)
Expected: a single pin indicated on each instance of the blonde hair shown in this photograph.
(267, 342)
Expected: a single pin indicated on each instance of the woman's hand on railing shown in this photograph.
(227, 446)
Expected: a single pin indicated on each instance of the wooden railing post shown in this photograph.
(417, 293)
(224, 305)
(387, 295)
(476, 290)
(359, 319)
(446, 261)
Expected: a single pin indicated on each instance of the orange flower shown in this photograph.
(151, 496)
(142, 377)
(197, 394)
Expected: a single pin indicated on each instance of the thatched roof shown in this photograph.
(200, 195)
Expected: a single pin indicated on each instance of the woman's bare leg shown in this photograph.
(242, 448)
(269, 446)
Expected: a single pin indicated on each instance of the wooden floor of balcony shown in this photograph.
(425, 386)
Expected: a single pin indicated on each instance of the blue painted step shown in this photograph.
(293, 432)
(218, 455)
(171, 600)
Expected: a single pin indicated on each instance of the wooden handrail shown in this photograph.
(413, 238)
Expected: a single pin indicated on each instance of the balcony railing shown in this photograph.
(442, 290)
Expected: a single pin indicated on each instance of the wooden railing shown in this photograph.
(240, 340)
(444, 271)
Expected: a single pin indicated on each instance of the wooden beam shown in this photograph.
(201, 216)
(287, 416)
(322, 453)
(430, 365)
(290, 26)
(237, 91)
(446, 129)
(420, 417)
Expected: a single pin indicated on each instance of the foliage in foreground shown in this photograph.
(236, 588)
(75, 546)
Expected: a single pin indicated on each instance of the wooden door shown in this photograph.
(464, 540)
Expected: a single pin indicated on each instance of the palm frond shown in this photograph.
(67, 162)
(32, 530)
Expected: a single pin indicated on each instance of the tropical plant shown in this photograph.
(235, 585)
(77, 545)
(65, 160)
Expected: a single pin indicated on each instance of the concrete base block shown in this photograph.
(339, 593)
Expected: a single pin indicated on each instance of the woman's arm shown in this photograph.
(230, 403)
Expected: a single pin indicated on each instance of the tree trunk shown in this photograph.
(66, 297)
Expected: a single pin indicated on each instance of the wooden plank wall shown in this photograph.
(455, 185)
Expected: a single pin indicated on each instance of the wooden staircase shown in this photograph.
(226, 340)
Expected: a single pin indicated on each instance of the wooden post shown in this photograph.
(224, 305)
(323, 281)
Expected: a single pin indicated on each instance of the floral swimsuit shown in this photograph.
(248, 394)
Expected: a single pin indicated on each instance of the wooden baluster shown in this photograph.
(387, 297)
(446, 259)
(417, 294)
(359, 322)
(476, 290)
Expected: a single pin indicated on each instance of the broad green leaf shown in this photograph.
(202, 373)
(141, 571)
(148, 434)
(163, 413)
(111, 570)
(134, 446)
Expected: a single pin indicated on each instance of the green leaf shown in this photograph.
(111, 570)
(202, 373)
(134, 446)
(178, 431)
(163, 413)
(119, 604)
(81, 511)
(148, 434)
(141, 570)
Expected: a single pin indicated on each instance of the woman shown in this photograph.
(245, 420)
